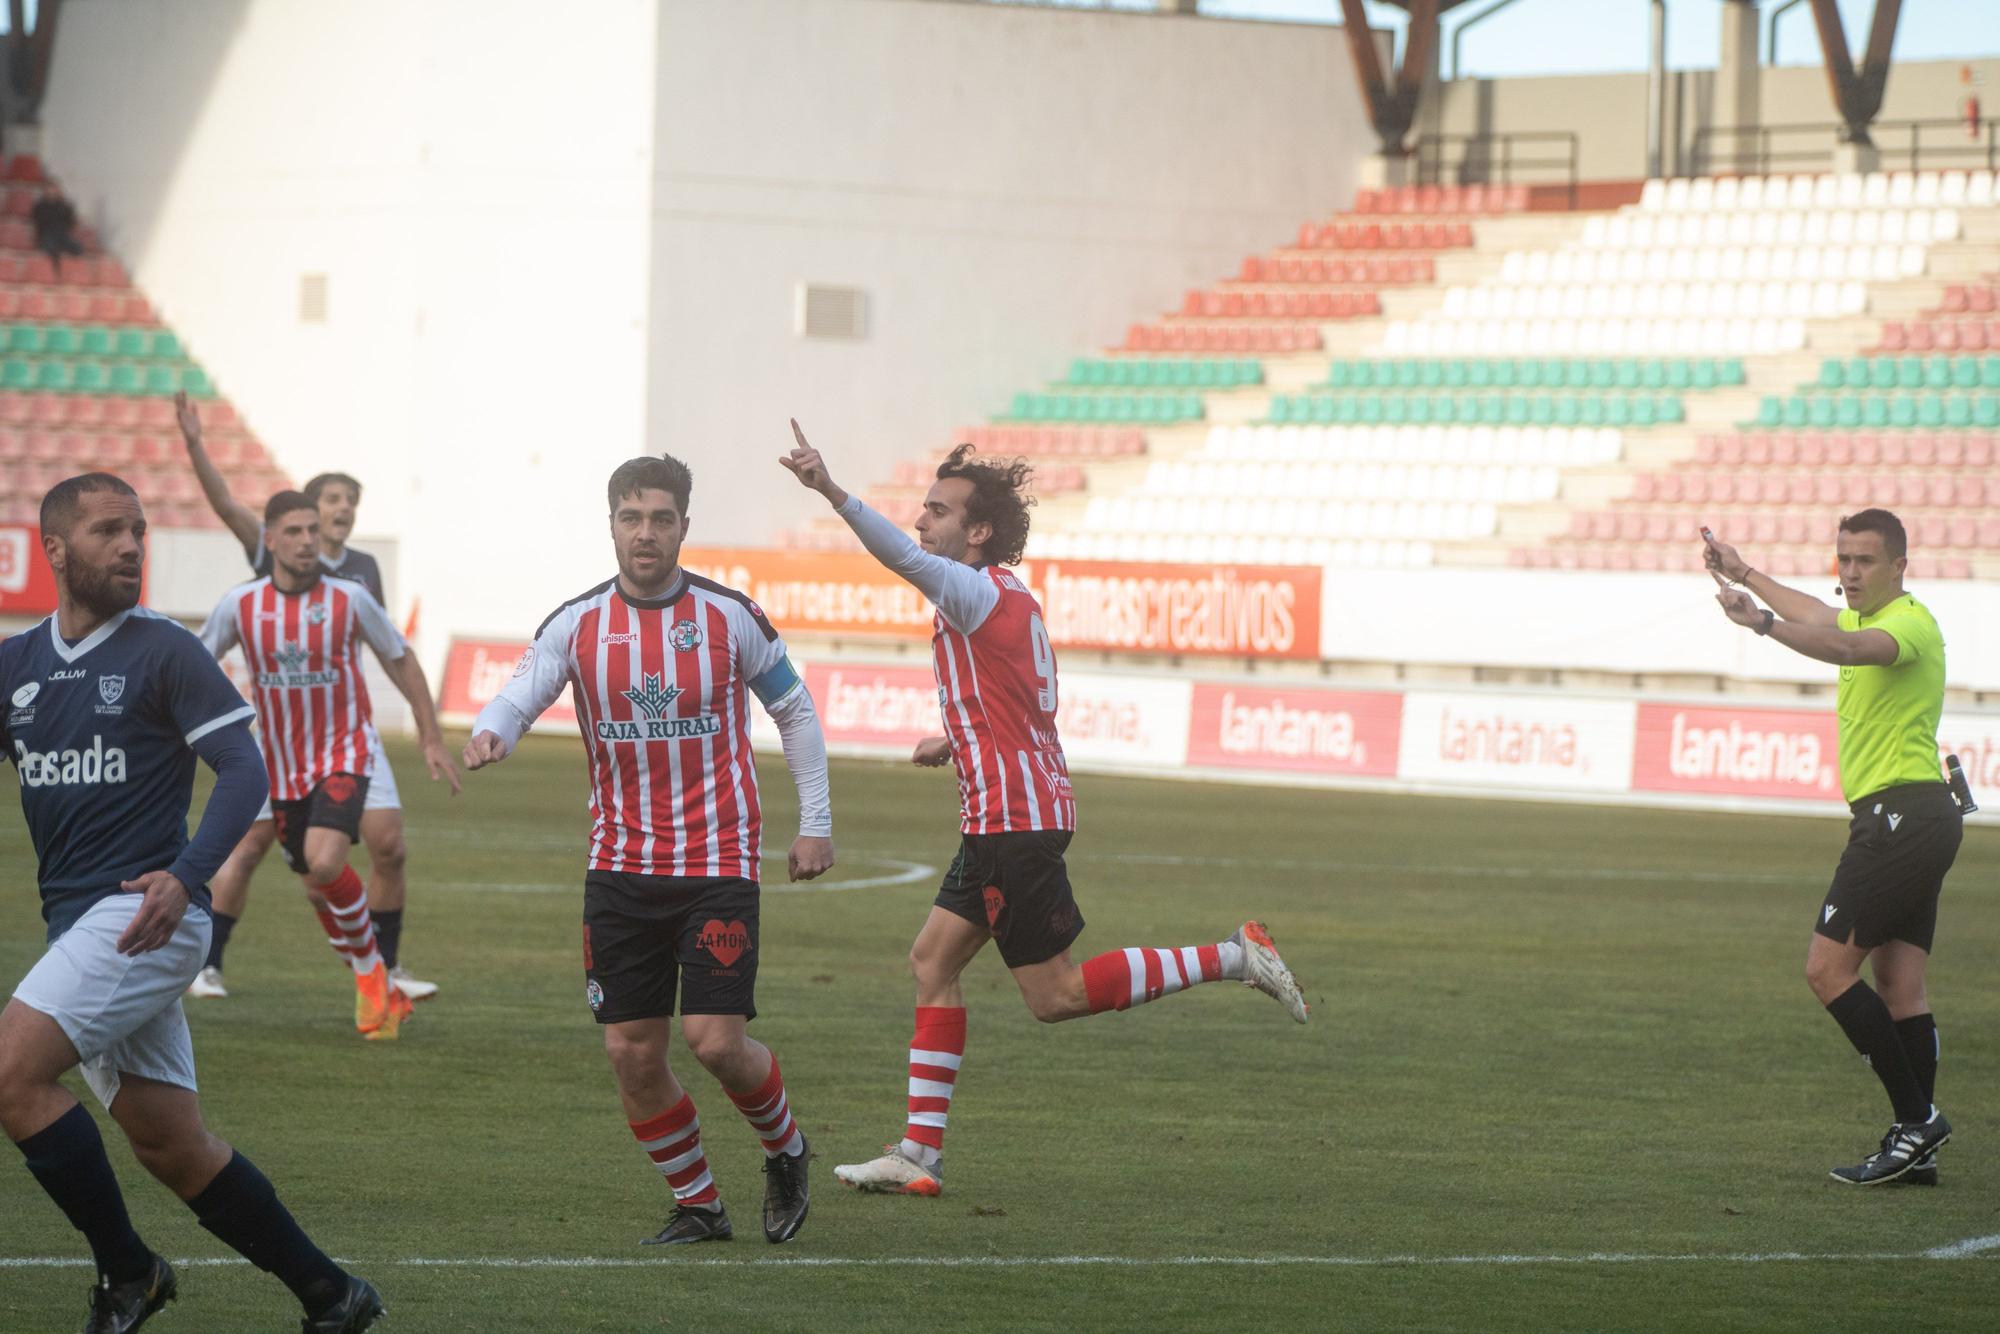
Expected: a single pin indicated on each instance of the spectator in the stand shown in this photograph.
(55, 226)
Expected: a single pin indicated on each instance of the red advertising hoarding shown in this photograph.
(1295, 731)
(27, 584)
(476, 669)
(1788, 753)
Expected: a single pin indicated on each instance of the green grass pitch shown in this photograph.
(1573, 1036)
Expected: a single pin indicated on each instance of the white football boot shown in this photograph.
(1264, 970)
(207, 985)
(412, 989)
(893, 1174)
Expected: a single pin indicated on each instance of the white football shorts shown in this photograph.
(122, 1012)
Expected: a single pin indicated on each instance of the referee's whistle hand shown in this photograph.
(160, 912)
(811, 857)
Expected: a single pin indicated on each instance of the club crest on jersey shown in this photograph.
(653, 697)
(685, 636)
(110, 689)
(26, 694)
(595, 995)
(316, 614)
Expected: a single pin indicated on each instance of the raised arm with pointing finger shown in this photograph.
(235, 515)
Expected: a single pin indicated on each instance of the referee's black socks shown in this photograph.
(1920, 1043)
(1864, 1017)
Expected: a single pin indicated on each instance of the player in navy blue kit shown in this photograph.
(107, 705)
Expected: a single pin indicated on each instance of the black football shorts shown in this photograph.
(334, 803)
(1016, 886)
(1900, 843)
(645, 935)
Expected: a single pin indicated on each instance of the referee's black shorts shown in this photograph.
(1900, 844)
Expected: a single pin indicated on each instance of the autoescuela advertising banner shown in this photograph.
(1264, 611)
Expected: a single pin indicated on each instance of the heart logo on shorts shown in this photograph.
(996, 903)
(340, 788)
(727, 941)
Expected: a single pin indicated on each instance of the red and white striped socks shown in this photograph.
(673, 1141)
(349, 929)
(1120, 979)
(935, 1053)
(769, 1113)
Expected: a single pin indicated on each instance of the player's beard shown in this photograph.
(97, 590)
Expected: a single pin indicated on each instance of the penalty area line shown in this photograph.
(1970, 1248)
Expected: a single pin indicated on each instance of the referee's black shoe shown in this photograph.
(1903, 1148)
(116, 1308)
(785, 1192)
(691, 1225)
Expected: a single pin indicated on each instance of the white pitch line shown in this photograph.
(908, 873)
(1971, 1248)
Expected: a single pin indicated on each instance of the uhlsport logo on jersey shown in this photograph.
(70, 768)
(685, 636)
(292, 673)
(652, 697)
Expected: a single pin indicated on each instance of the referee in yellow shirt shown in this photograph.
(1906, 827)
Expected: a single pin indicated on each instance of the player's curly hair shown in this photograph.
(999, 497)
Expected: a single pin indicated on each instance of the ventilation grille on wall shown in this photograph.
(831, 312)
(312, 298)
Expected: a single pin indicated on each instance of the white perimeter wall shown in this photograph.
(1012, 186)
(473, 177)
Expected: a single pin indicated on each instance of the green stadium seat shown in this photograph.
(1902, 411)
(1635, 411)
(1930, 410)
(98, 342)
(1820, 412)
(1989, 372)
(1406, 374)
(1937, 373)
(196, 384)
(1703, 375)
(1179, 374)
(54, 376)
(1832, 375)
(1770, 412)
(1874, 411)
(63, 341)
(1958, 411)
(1337, 375)
(1847, 411)
(1023, 408)
(1796, 412)
(1628, 374)
(1965, 372)
(92, 377)
(1617, 409)
(16, 373)
(126, 379)
(166, 347)
(1519, 410)
(1671, 409)
(1730, 372)
(133, 345)
(1500, 374)
(1986, 413)
(27, 340)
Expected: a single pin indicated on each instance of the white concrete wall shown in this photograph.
(472, 176)
(1012, 186)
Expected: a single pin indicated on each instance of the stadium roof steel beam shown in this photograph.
(1393, 110)
(29, 52)
(1857, 97)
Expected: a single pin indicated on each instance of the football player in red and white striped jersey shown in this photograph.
(301, 631)
(996, 675)
(662, 664)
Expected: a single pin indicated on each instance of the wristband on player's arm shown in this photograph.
(1764, 627)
